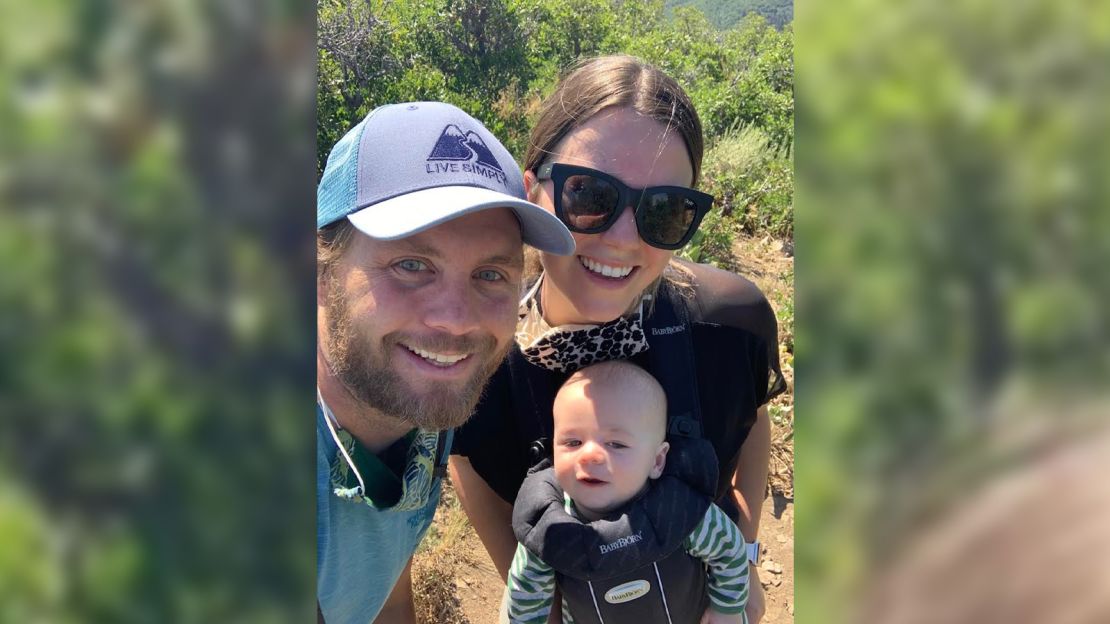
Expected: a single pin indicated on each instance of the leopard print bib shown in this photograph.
(570, 347)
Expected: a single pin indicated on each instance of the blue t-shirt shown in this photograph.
(360, 550)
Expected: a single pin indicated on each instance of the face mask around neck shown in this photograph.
(571, 347)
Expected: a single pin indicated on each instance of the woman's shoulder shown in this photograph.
(719, 299)
(723, 298)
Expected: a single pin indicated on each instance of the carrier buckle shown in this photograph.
(685, 425)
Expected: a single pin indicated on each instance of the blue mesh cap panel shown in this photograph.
(338, 189)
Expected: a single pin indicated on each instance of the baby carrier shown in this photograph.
(629, 567)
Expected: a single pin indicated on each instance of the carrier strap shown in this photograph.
(533, 389)
(443, 450)
(671, 356)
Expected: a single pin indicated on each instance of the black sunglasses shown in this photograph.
(590, 201)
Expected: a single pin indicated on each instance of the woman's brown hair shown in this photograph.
(621, 81)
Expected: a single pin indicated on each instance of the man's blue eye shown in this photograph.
(490, 275)
(412, 265)
(571, 443)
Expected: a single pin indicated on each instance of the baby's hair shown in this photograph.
(642, 384)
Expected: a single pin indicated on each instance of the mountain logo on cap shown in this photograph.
(454, 144)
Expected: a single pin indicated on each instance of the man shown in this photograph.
(420, 223)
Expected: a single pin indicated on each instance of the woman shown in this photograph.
(614, 126)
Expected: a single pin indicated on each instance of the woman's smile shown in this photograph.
(606, 269)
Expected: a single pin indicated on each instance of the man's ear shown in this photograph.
(660, 460)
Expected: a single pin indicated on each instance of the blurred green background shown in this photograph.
(156, 192)
(953, 236)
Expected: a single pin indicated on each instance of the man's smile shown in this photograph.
(437, 358)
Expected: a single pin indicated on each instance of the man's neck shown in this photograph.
(372, 429)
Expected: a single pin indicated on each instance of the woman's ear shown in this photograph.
(660, 460)
(531, 186)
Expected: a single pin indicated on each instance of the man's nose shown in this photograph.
(451, 308)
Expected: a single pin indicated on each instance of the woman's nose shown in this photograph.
(624, 232)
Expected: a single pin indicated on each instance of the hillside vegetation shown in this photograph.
(497, 59)
(725, 13)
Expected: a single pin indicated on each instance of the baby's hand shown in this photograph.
(713, 617)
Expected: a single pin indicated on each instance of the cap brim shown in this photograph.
(405, 215)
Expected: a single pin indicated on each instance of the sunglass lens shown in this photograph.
(588, 202)
(665, 218)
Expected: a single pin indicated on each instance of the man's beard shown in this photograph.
(368, 372)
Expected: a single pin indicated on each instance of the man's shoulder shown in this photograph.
(361, 551)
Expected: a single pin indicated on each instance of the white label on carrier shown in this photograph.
(627, 591)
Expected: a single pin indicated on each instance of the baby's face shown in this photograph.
(607, 445)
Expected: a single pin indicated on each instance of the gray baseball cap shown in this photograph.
(408, 167)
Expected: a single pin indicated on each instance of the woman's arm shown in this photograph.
(749, 484)
(399, 607)
(491, 516)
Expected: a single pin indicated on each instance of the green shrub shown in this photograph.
(712, 243)
(753, 181)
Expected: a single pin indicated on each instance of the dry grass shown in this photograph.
(769, 263)
(781, 478)
(435, 566)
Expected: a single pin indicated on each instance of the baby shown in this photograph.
(609, 448)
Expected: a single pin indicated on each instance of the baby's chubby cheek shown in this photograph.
(564, 473)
